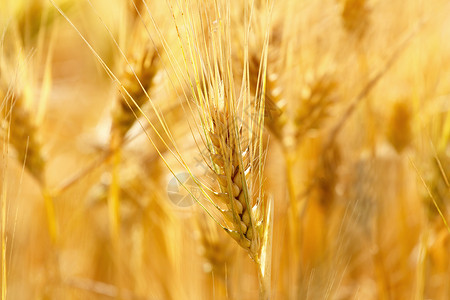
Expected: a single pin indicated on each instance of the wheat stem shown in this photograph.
(51, 215)
(264, 285)
(3, 214)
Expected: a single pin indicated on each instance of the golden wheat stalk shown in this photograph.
(239, 197)
(234, 143)
(5, 152)
(22, 134)
(230, 126)
(137, 80)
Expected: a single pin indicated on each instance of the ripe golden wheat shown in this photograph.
(301, 146)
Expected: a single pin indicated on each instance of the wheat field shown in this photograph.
(200, 149)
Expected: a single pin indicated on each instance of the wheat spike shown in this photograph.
(355, 17)
(137, 80)
(232, 164)
(23, 136)
(216, 249)
(399, 132)
(274, 115)
(246, 212)
(317, 98)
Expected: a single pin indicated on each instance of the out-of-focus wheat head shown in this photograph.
(23, 134)
(355, 17)
(20, 117)
(214, 247)
(140, 70)
(274, 106)
(317, 98)
(399, 127)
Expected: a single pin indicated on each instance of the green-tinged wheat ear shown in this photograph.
(355, 17)
(23, 136)
(143, 66)
(318, 96)
(399, 130)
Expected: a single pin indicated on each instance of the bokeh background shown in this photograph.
(358, 154)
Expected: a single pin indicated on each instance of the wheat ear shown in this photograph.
(355, 17)
(216, 250)
(230, 174)
(137, 80)
(231, 125)
(23, 136)
(318, 97)
(236, 168)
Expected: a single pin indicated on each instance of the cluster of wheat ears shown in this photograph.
(197, 149)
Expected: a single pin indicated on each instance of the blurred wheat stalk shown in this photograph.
(308, 142)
